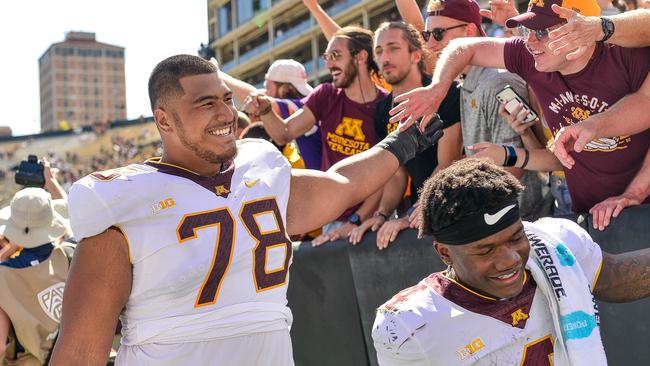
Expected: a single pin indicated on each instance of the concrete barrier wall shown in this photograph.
(335, 289)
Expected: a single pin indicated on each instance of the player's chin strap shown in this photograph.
(405, 145)
(478, 225)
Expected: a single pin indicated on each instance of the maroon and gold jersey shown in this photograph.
(210, 255)
(441, 322)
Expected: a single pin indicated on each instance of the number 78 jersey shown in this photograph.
(210, 255)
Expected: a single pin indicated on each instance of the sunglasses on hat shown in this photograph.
(438, 33)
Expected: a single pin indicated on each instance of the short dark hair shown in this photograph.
(411, 36)
(359, 39)
(466, 187)
(164, 79)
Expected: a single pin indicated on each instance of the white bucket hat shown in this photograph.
(33, 218)
(289, 71)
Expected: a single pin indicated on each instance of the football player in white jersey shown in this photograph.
(191, 250)
(509, 286)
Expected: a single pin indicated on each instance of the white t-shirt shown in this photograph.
(210, 255)
(441, 322)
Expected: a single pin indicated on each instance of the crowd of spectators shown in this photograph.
(485, 128)
(443, 63)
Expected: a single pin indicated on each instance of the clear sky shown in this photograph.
(150, 30)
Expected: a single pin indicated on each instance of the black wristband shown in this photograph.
(505, 155)
(608, 28)
(511, 160)
(405, 145)
(526, 156)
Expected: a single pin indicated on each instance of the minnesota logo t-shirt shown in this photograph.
(347, 127)
(607, 165)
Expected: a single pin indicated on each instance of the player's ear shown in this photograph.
(161, 117)
(443, 253)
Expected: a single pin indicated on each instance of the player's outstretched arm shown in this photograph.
(317, 198)
(624, 277)
(97, 288)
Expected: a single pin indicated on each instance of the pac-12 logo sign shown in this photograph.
(51, 301)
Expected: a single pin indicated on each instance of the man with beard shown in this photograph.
(285, 85)
(401, 58)
(480, 119)
(191, 249)
(344, 111)
(610, 173)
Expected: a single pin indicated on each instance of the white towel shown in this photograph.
(575, 315)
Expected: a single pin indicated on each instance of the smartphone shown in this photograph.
(509, 96)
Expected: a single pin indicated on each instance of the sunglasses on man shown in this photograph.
(438, 33)
(335, 55)
(540, 34)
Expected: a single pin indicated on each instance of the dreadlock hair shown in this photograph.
(359, 39)
(466, 187)
(411, 36)
(164, 79)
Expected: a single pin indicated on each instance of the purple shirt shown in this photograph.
(607, 165)
(347, 127)
(309, 145)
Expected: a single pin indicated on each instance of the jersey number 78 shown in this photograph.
(225, 222)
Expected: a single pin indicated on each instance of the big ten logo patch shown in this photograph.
(539, 3)
(351, 127)
(579, 113)
(470, 349)
(163, 205)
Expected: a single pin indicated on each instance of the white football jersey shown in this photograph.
(441, 322)
(210, 255)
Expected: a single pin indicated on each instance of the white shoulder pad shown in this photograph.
(93, 199)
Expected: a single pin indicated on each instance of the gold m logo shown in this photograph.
(518, 316)
(539, 3)
(351, 127)
(221, 190)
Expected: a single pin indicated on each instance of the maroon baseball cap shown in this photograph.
(541, 16)
(463, 10)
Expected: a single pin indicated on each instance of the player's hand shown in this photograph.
(419, 102)
(389, 230)
(372, 223)
(496, 153)
(333, 235)
(574, 38)
(414, 216)
(573, 138)
(611, 207)
(500, 11)
(517, 118)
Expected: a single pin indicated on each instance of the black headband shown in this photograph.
(479, 225)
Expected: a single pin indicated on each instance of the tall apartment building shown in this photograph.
(248, 35)
(81, 83)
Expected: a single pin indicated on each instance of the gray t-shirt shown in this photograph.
(481, 122)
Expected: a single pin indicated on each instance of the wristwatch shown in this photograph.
(355, 219)
(608, 28)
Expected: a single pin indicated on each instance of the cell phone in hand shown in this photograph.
(511, 99)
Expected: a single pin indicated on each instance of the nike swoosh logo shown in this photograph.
(251, 183)
(494, 218)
